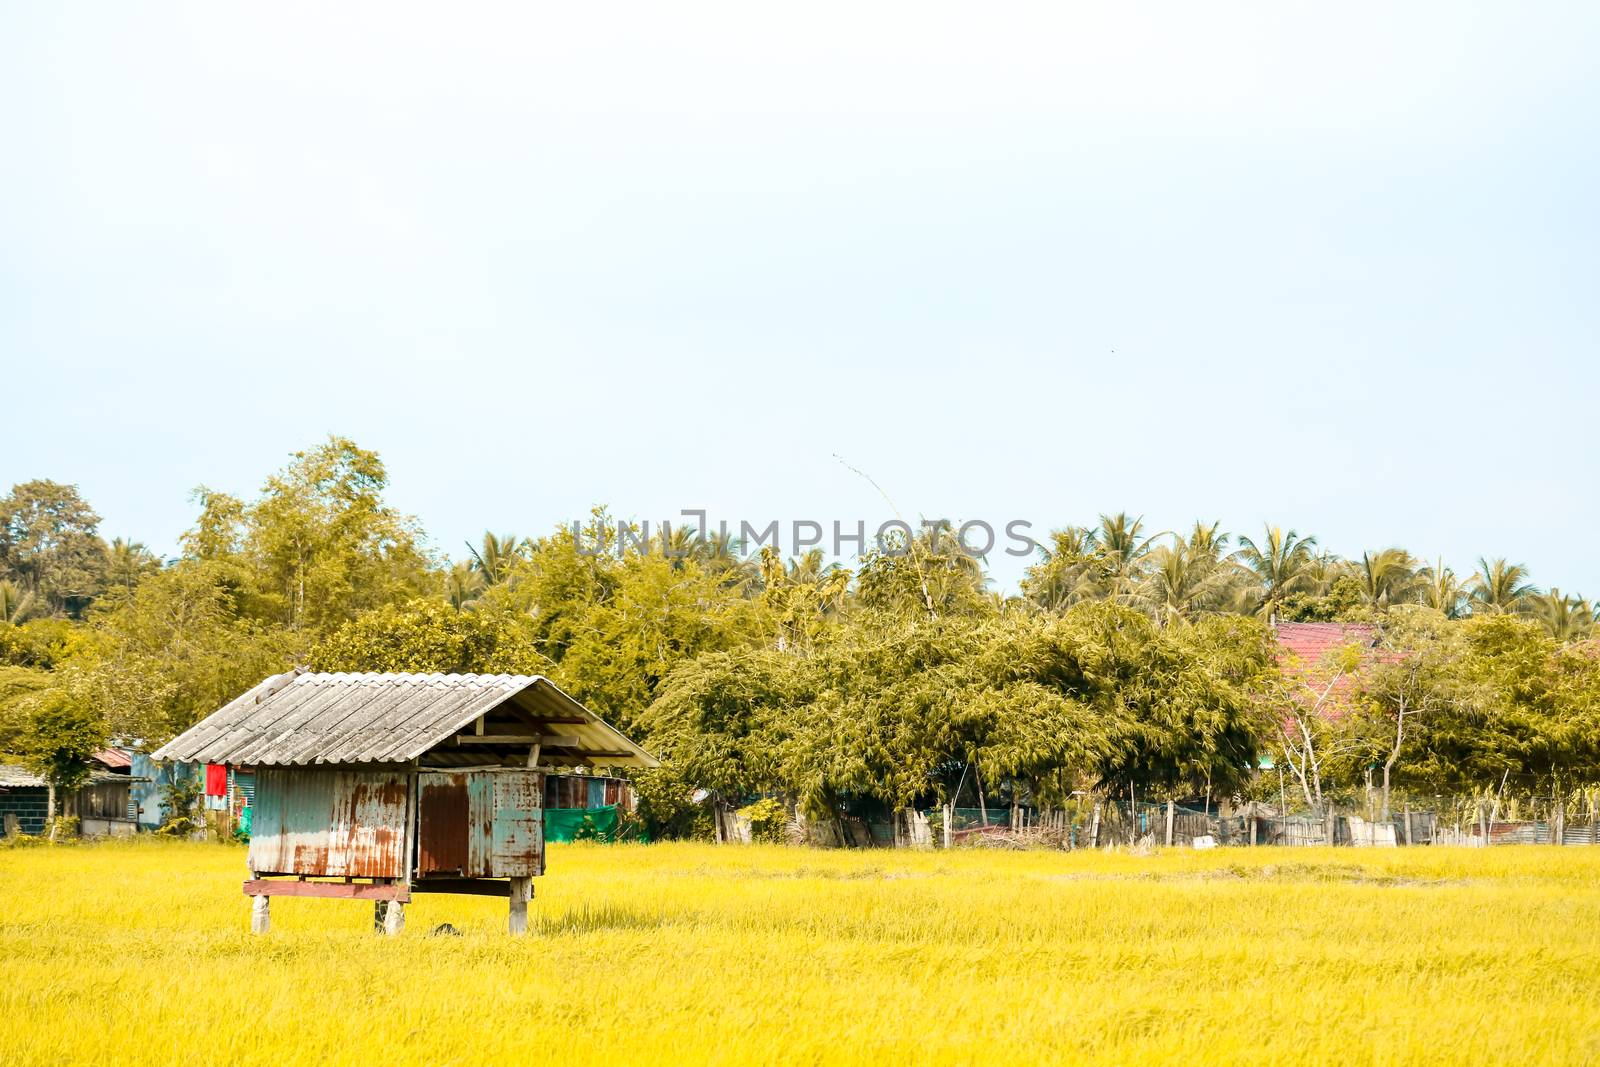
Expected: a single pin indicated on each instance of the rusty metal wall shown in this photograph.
(587, 791)
(480, 824)
(330, 823)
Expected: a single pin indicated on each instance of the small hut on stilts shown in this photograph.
(380, 786)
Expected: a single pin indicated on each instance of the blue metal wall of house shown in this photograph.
(144, 798)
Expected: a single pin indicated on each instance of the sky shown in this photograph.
(1327, 266)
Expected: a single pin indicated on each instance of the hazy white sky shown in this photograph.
(1329, 265)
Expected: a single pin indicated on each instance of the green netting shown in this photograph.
(581, 824)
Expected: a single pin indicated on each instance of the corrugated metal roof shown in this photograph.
(299, 718)
(13, 776)
(113, 757)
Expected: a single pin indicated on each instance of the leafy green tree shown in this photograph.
(319, 546)
(59, 744)
(428, 635)
(929, 573)
(1412, 678)
(1345, 601)
(49, 545)
(179, 647)
(1524, 712)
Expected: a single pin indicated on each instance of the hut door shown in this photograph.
(455, 814)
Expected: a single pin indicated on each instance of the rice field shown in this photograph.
(138, 951)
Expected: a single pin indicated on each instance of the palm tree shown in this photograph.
(1565, 618)
(1063, 575)
(493, 560)
(127, 562)
(1191, 576)
(1208, 541)
(1282, 563)
(1120, 555)
(1387, 576)
(723, 555)
(1441, 589)
(1324, 569)
(464, 585)
(1500, 586)
(17, 605)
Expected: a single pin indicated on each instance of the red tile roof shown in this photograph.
(1313, 640)
(1306, 647)
(111, 757)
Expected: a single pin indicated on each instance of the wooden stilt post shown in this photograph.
(521, 893)
(260, 914)
(379, 908)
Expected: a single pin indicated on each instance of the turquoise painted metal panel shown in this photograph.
(316, 821)
(518, 835)
(597, 792)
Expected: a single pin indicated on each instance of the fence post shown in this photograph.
(949, 818)
(1406, 837)
(1333, 827)
(1169, 823)
(1094, 828)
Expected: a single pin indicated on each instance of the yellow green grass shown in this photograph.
(138, 951)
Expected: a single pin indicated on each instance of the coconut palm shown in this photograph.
(1186, 578)
(723, 555)
(1282, 563)
(1324, 569)
(127, 562)
(1441, 589)
(1565, 618)
(1388, 576)
(17, 605)
(464, 584)
(1063, 576)
(1500, 586)
(1121, 551)
(1208, 541)
(495, 556)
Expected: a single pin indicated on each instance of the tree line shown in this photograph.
(1128, 661)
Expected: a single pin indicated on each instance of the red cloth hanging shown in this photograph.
(216, 779)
